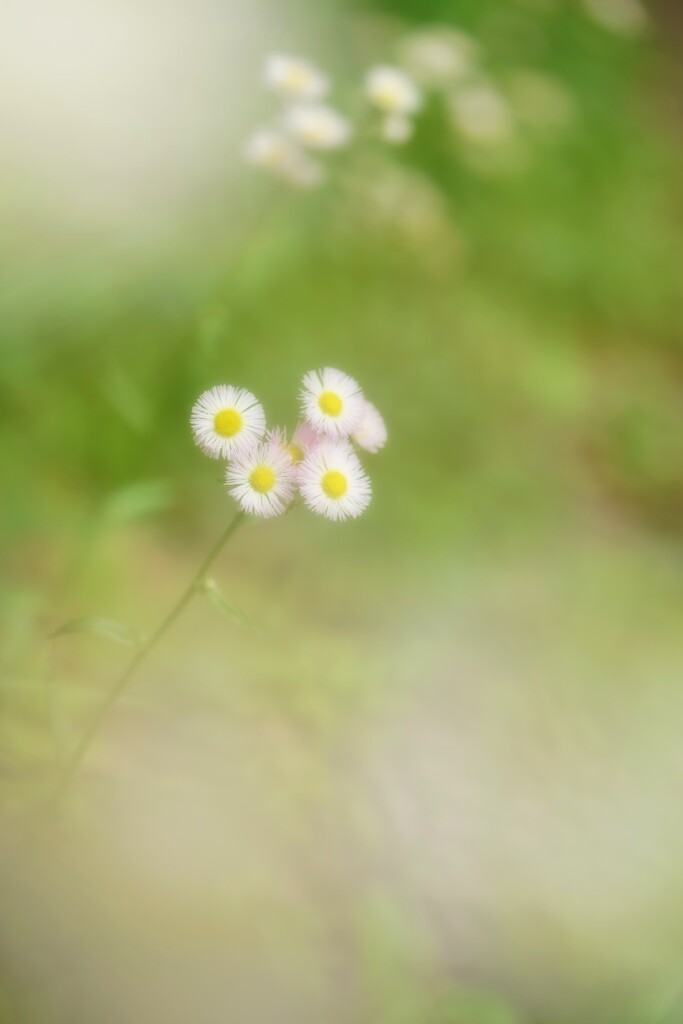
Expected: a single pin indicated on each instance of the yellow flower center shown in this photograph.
(386, 97)
(330, 403)
(296, 78)
(334, 484)
(315, 131)
(227, 422)
(274, 155)
(296, 453)
(262, 479)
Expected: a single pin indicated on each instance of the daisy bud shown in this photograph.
(303, 441)
(371, 432)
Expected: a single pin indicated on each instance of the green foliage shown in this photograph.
(137, 500)
(105, 629)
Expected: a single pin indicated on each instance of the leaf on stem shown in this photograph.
(105, 629)
(212, 591)
(142, 498)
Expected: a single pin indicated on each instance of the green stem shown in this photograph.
(76, 759)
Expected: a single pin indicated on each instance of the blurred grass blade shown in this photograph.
(211, 589)
(144, 498)
(105, 629)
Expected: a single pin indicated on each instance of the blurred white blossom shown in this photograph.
(371, 432)
(275, 152)
(439, 56)
(294, 78)
(539, 100)
(481, 113)
(391, 91)
(317, 126)
(626, 17)
(393, 201)
(268, 148)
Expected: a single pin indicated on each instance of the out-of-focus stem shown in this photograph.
(74, 762)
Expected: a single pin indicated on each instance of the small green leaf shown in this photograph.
(106, 629)
(143, 498)
(211, 589)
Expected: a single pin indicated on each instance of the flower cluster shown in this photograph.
(497, 120)
(267, 471)
(397, 98)
(448, 62)
(306, 122)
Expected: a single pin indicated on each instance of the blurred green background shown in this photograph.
(440, 784)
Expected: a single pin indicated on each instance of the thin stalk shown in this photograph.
(74, 763)
(59, 727)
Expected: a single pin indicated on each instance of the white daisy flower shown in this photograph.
(371, 432)
(317, 126)
(396, 129)
(262, 479)
(294, 78)
(226, 421)
(392, 91)
(331, 402)
(333, 483)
